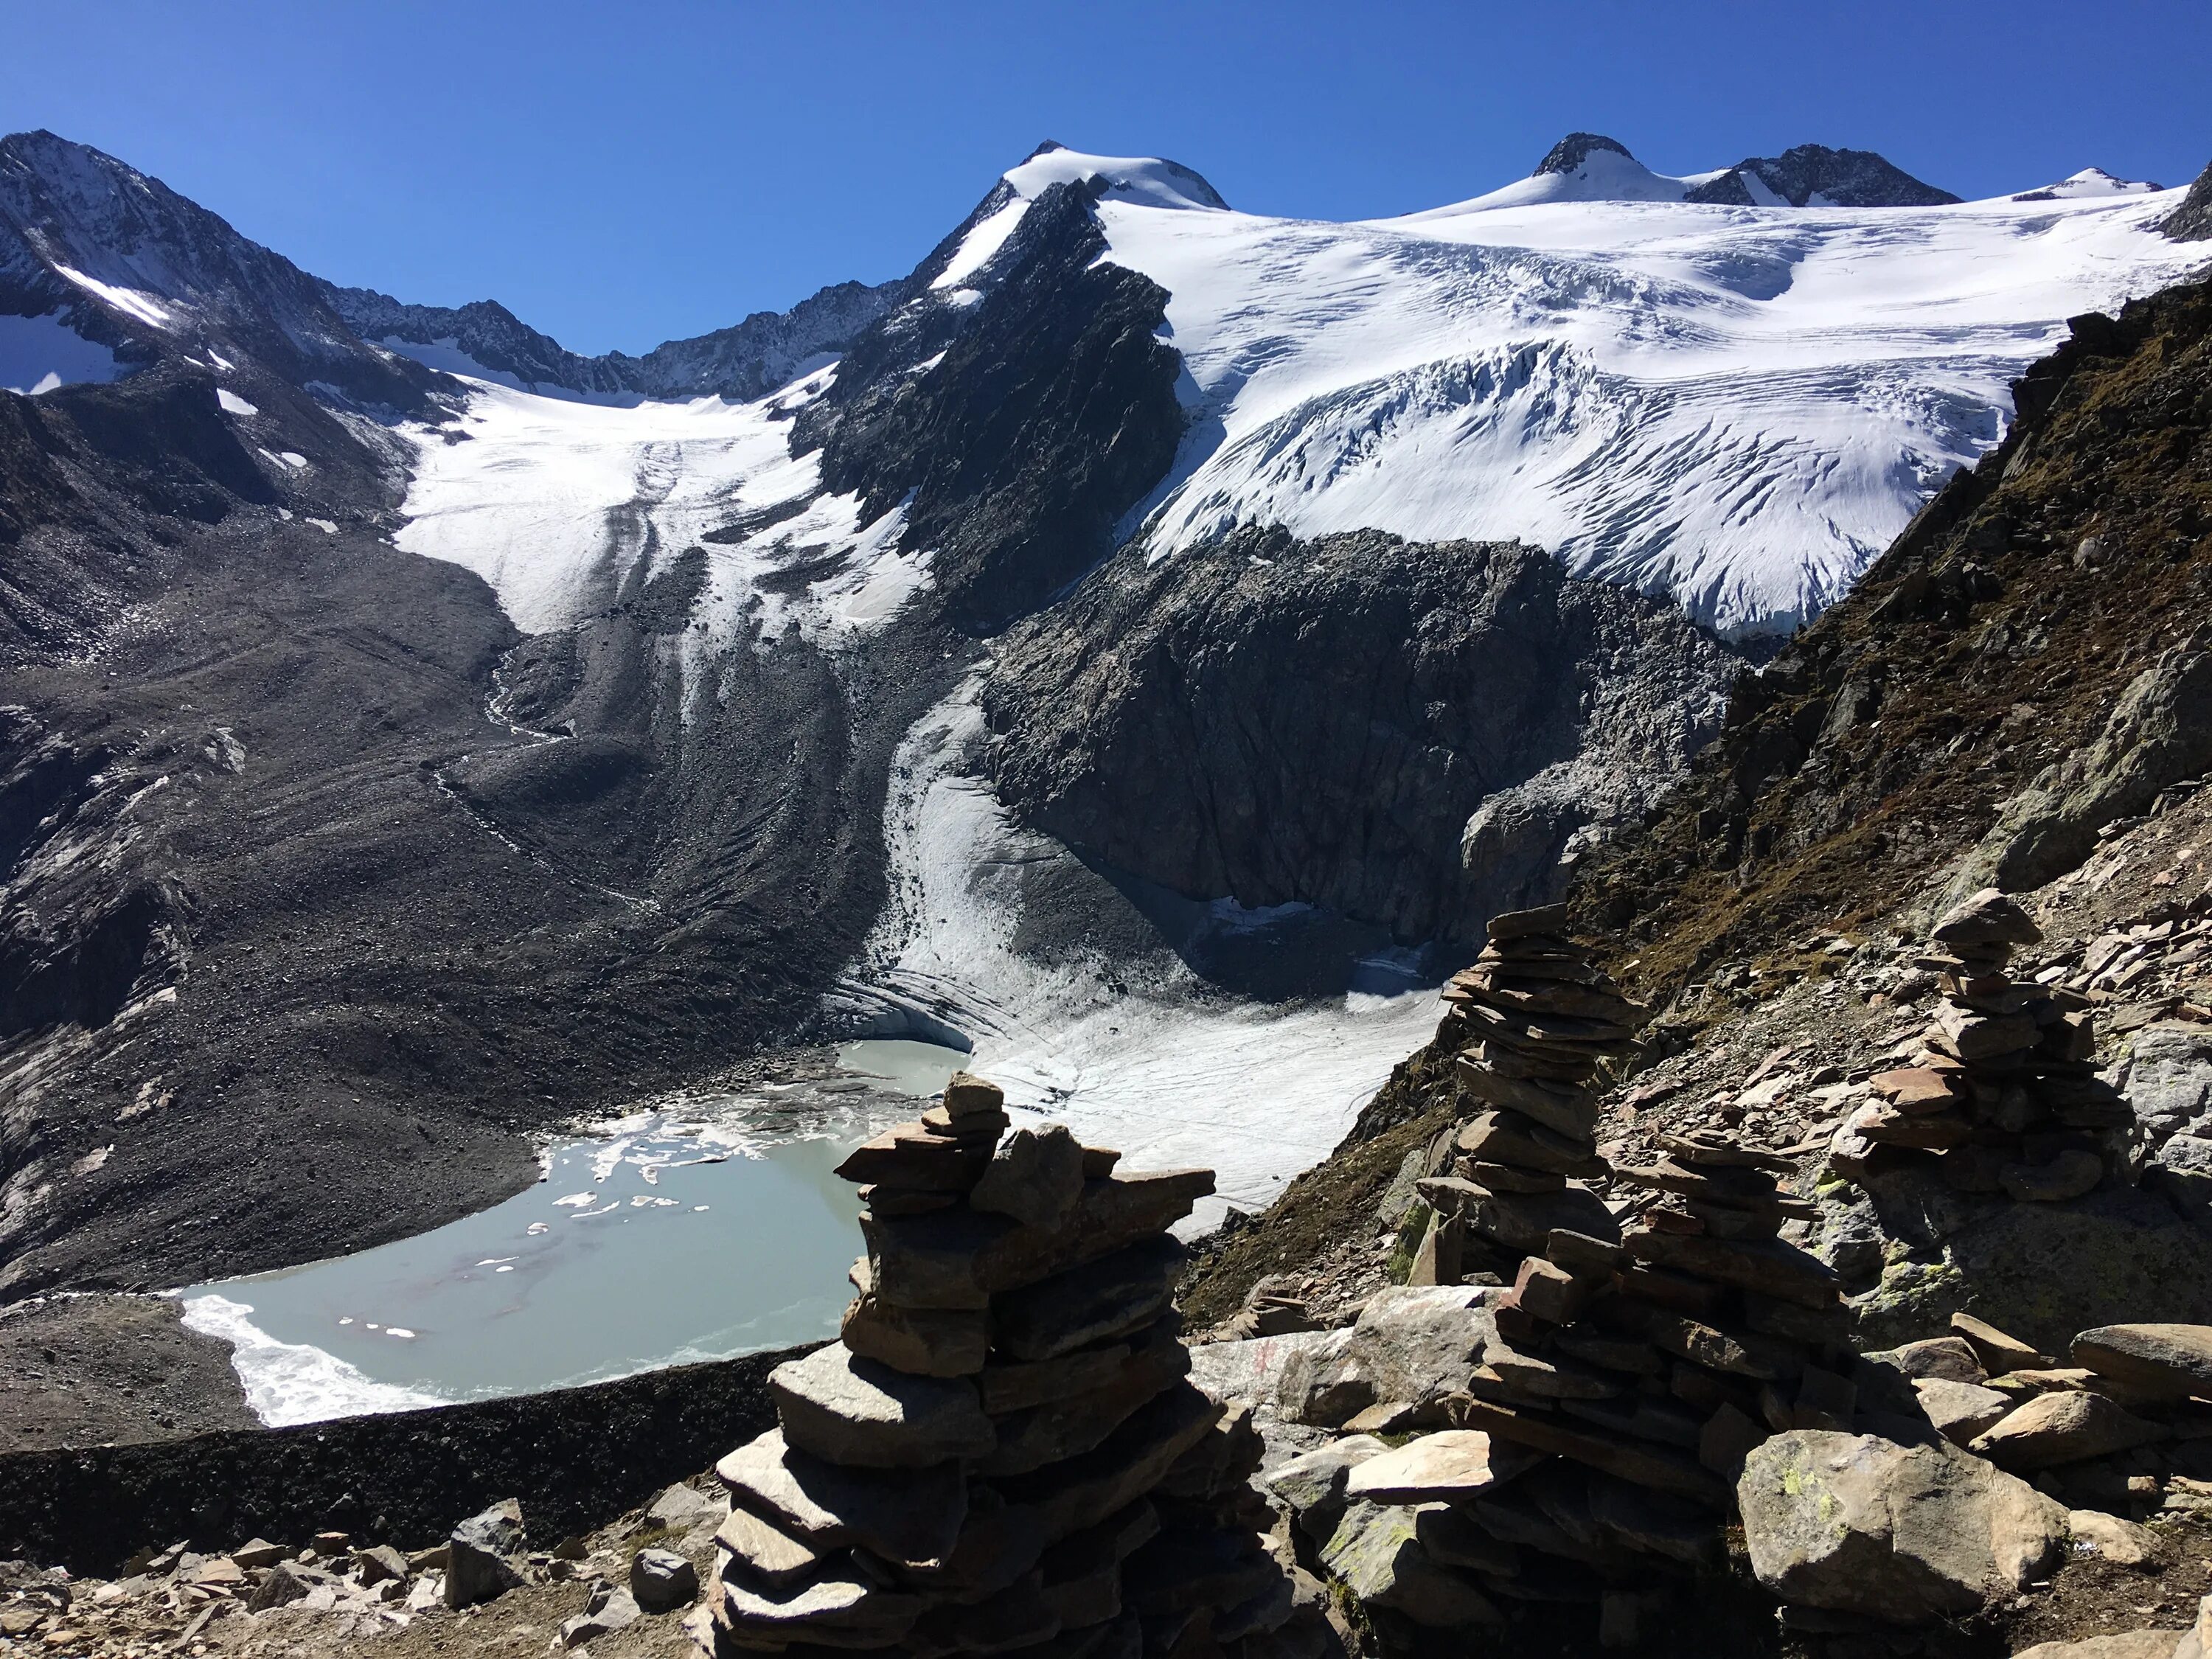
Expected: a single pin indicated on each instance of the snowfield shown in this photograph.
(1738, 406)
(1169, 1071)
(557, 503)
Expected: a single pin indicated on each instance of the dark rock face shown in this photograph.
(2192, 221)
(195, 282)
(1318, 721)
(1845, 178)
(745, 362)
(1050, 414)
(1571, 151)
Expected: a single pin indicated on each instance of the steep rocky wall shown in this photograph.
(1317, 722)
(1991, 643)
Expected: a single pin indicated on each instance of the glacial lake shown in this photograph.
(697, 1231)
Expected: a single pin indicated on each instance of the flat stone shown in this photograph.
(1506, 1178)
(1035, 1176)
(377, 1565)
(1065, 1498)
(1644, 1466)
(1988, 917)
(1012, 1387)
(932, 1261)
(1959, 1411)
(1448, 1467)
(1915, 1088)
(908, 1154)
(1098, 1300)
(1998, 1352)
(771, 1554)
(1972, 1036)
(1768, 1266)
(1524, 1222)
(1551, 1292)
(609, 1608)
(1505, 1136)
(1950, 1357)
(1716, 1151)
(1565, 1109)
(1532, 1377)
(836, 1609)
(1851, 1523)
(661, 1581)
(862, 1414)
(2121, 1644)
(1419, 1344)
(1654, 1522)
(923, 1341)
(679, 1508)
(1520, 924)
(909, 1515)
(2172, 1360)
(1059, 1429)
(2062, 1427)
(1185, 1568)
(1452, 1538)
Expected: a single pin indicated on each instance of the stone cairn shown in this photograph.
(1002, 1454)
(2004, 1091)
(1633, 1369)
(1544, 1017)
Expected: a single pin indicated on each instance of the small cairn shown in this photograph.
(2004, 1091)
(1004, 1453)
(1544, 1016)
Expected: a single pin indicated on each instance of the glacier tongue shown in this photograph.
(1737, 406)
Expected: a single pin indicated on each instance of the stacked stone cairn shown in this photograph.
(1004, 1454)
(1594, 1451)
(2004, 1091)
(1544, 1017)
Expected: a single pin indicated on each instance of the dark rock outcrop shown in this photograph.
(1841, 178)
(1318, 721)
(1048, 415)
(2192, 221)
(1571, 151)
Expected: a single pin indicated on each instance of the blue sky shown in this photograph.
(623, 173)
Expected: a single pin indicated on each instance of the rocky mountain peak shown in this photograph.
(2192, 221)
(1571, 151)
(1814, 175)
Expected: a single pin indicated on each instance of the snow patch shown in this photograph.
(38, 354)
(289, 1382)
(233, 403)
(132, 302)
(1134, 178)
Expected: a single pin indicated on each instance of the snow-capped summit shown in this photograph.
(1154, 182)
(1588, 166)
(2090, 181)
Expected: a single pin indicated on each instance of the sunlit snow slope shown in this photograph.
(1737, 405)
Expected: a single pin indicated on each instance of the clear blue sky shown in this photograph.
(618, 173)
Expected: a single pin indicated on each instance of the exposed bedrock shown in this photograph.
(1324, 721)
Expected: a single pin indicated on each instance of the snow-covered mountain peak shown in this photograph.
(1148, 179)
(2090, 181)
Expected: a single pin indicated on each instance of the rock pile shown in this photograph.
(2004, 1091)
(1002, 1454)
(1544, 1017)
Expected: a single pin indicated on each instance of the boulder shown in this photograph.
(606, 1610)
(775, 1556)
(2064, 1426)
(1998, 1352)
(2196, 1642)
(1375, 1554)
(860, 1413)
(1951, 1358)
(1253, 1369)
(1417, 1344)
(2121, 1542)
(377, 1565)
(1311, 1486)
(480, 1556)
(679, 1508)
(2167, 1079)
(661, 1581)
(1959, 1411)
(1856, 1525)
(1323, 1381)
(2174, 1361)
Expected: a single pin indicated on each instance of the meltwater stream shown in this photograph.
(669, 1236)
